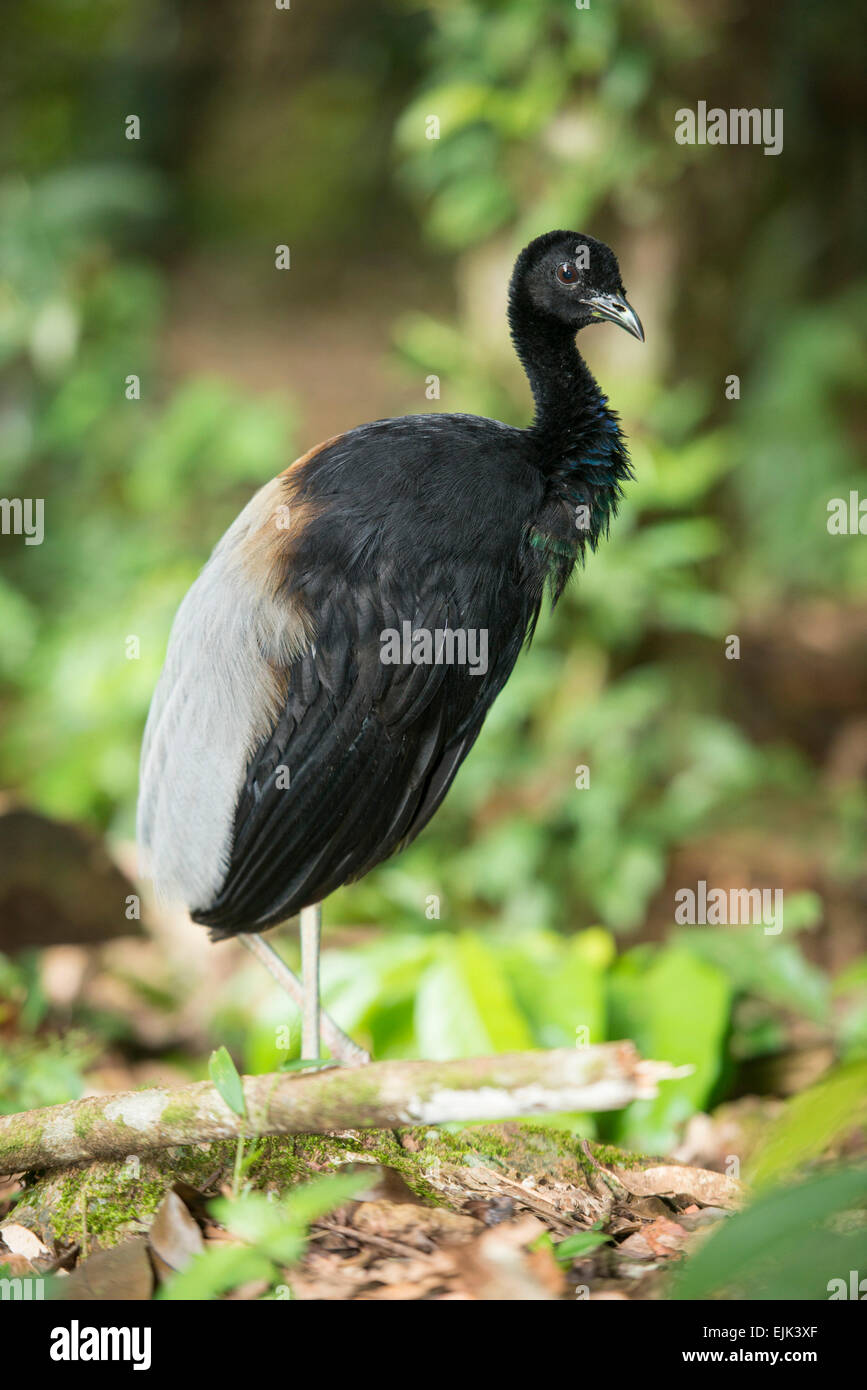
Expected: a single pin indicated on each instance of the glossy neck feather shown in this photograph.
(578, 436)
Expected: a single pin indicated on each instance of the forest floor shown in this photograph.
(496, 1212)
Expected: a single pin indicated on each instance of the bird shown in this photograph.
(332, 665)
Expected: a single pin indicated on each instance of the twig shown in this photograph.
(390, 1247)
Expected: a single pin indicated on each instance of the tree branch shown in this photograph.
(383, 1095)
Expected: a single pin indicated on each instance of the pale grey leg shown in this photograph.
(311, 933)
(340, 1046)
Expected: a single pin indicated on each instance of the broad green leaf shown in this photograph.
(767, 966)
(783, 1246)
(464, 1003)
(834, 1107)
(676, 1009)
(560, 985)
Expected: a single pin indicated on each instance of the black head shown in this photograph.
(573, 280)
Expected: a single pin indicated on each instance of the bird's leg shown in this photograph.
(311, 932)
(340, 1046)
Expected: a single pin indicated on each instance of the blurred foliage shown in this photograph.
(445, 994)
(129, 487)
(740, 264)
(37, 1071)
(800, 1241)
(271, 1235)
(703, 1000)
(831, 1110)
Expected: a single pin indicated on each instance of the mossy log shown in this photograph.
(385, 1095)
(99, 1204)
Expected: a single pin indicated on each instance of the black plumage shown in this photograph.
(445, 522)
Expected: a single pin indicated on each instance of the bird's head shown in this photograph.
(571, 279)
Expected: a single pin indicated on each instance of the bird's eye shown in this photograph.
(567, 273)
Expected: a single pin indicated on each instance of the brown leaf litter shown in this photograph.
(474, 1216)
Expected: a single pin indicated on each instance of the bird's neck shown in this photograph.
(579, 442)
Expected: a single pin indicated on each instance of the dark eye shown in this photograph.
(567, 273)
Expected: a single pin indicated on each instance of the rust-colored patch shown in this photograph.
(311, 453)
(281, 518)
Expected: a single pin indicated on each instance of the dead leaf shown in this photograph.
(662, 1237)
(554, 1217)
(18, 1267)
(499, 1267)
(491, 1210)
(248, 1293)
(195, 1199)
(174, 1237)
(704, 1216)
(647, 1207)
(409, 1292)
(122, 1273)
(383, 1243)
(10, 1185)
(670, 1179)
(635, 1247)
(20, 1240)
(413, 1225)
(383, 1183)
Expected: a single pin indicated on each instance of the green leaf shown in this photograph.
(767, 967)
(224, 1074)
(310, 1200)
(677, 1010)
(560, 985)
(811, 1121)
(218, 1269)
(279, 1229)
(581, 1243)
(464, 1003)
(784, 1245)
(853, 977)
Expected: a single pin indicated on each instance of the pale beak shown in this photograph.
(616, 309)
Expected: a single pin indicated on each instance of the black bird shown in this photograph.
(332, 665)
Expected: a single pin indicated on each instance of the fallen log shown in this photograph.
(384, 1095)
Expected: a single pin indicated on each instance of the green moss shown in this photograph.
(65, 1202)
(482, 1140)
(285, 1160)
(612, 1157)
(11, 1142)
(524, 1147)
(107, 1199)
(177, 1112)
(83, 1123)
(103, 1200)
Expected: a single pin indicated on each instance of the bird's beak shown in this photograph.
(618, 310)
